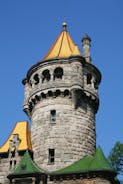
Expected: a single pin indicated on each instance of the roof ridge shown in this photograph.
(69, 42)
(61, 43)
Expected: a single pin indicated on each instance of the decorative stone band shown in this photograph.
(75, 95)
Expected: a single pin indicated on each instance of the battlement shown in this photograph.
(61, 78)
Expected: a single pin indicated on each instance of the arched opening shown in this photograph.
(89, 77)
(58, 73)
(33, 101)
(46, 75)
(57, 93)
(30, 106)
(50, 93)
(66, 93)
(96, 84)
(37, 98)
(36, 79)
(43, 95)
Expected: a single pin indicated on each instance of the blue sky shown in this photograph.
(27, 30)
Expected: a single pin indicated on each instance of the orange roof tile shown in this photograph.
(22, 129)
(63, 47)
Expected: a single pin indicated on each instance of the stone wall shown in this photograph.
(83, 181)
(4, 170)
(72, 135)
(75, 75)
(6, 167)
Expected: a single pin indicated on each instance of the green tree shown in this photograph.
(116, 157)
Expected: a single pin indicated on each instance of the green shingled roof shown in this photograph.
(99, 161)
(27, 166)
(96, 163)
(88, 163)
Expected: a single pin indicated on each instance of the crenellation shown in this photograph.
(71, 79)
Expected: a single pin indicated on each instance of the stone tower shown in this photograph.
(61, 99)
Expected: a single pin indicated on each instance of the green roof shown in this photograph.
(26, 166)
(88, 163)
(99, 161)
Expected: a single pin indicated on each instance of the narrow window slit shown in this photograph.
(51, 156)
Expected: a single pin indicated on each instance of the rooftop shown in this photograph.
(88, 163)
(26, 166)
(22, 130)
(63, 47)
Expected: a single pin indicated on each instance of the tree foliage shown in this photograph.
(116, 157)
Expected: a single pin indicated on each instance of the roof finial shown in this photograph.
(64, 25)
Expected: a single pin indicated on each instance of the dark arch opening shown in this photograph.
(58, 73)
(36, 79)
(89, 77)
(33, 101)
(37, 98)
(43, 95)
(50, 93)
(46, 75)
(57, 93)
(96, 84)
(30, 106)
(66, 92)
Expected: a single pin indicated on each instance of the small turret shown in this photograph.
(86, 47)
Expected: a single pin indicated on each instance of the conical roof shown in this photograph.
(96, 163)
(99, 161)
(78, 166)
(63, 47)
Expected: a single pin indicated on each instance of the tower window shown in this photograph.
(58, 73)
(15, 162)
(89, 77)
(36, 79)
(10, 164)
(50, 93)
(96, 84)
(53, 116)
(51, 158)
(66, 93)
(57, 93)
(45, 75)
(43, 95)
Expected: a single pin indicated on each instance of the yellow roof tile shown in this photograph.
(63, 47)
(22, 129)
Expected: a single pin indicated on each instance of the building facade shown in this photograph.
(61, 100)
